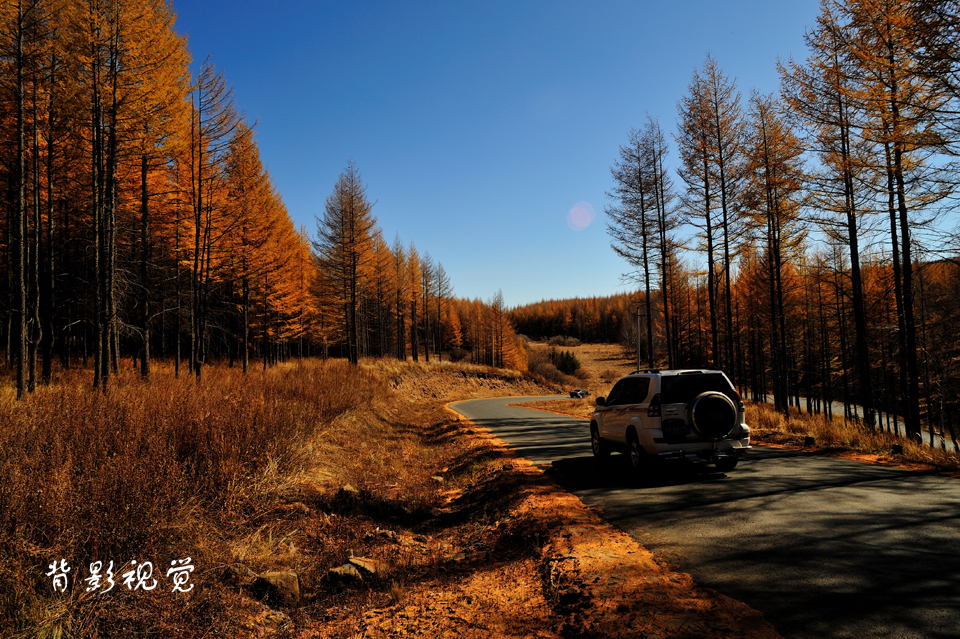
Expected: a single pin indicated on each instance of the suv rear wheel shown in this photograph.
(638, 457)
(725, 464)
(600, 450)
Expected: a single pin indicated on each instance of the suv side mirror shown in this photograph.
(601, 401)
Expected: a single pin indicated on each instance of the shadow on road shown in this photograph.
(587, 473)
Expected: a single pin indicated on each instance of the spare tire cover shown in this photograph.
(713, 415)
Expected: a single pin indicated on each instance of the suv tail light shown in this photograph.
(654, 409)
(739, 400)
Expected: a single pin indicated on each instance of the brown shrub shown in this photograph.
(539, 364)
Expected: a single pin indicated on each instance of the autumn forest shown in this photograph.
(803, 242)
(141, 222)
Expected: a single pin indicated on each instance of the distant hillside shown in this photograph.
(592, 319)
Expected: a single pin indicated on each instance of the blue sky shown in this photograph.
(478, 127)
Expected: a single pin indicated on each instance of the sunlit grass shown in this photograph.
(770, 426)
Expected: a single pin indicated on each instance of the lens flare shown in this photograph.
(580, 216)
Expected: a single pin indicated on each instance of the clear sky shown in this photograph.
(484, 130)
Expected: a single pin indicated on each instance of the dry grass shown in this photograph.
(148, 471)
(239, 473)
(600, 366)
(249, 474)
(837, 435)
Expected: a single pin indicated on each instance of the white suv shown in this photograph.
(683, 414)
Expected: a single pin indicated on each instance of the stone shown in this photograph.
(277, 587)
(238, 574)
(345, 575)
(367, 566)
(274, 622)
(389, 535)
(266, 622)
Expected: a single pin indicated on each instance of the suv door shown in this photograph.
(625, 401)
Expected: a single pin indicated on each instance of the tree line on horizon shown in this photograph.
(818, 263)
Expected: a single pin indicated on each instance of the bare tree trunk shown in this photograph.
(98, 231)
(826, 388)
(913, 370)
(266, 319)
(177, 292)
(664, 253)
(36, 334)
(111, 338)
(859, 312)
(20, 221)
(246, 323)
(50, 300)
(711, 275)
(414, 339)
(144, 261)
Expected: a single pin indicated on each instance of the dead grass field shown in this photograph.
(846, 439)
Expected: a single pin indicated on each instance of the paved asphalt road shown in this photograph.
(823, 547)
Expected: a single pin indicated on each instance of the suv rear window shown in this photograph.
(629, 390)
(682, 389)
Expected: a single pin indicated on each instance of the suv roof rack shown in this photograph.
(645, 370)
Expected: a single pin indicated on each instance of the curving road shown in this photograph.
(823, 547)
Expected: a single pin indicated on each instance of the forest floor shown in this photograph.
(341, 502)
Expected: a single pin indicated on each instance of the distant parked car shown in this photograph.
(578, 393)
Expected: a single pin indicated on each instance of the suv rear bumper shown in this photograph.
(697, 452)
